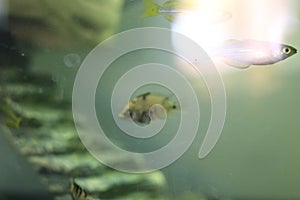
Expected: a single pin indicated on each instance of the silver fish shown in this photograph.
(147, 106)
(244, 53)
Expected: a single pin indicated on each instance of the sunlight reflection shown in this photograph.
(215, 21)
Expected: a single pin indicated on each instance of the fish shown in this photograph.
(244, 53)
(148, 106)
(170, 9)
(77, 192)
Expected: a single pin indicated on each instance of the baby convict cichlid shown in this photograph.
(147, 106)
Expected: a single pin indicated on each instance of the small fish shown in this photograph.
(77, 192)
(244, 53)
(171, 9)
(147, 106)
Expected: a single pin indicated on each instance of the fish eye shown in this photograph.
(286, 50)
(174, 106)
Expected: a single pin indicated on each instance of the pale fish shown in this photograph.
(147, 106)
(244, 53)
(171, 9)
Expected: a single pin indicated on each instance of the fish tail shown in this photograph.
(151, 8)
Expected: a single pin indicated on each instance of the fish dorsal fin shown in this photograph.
(235, 63)
(173, 5)
(144, 96)
(169, 96)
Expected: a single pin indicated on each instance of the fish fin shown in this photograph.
(144, 95)
(169, 97)
(169, 17)
(151, 8)
(171, 4)
(122, 114)
(236, 64)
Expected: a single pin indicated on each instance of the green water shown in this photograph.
(257, 155)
